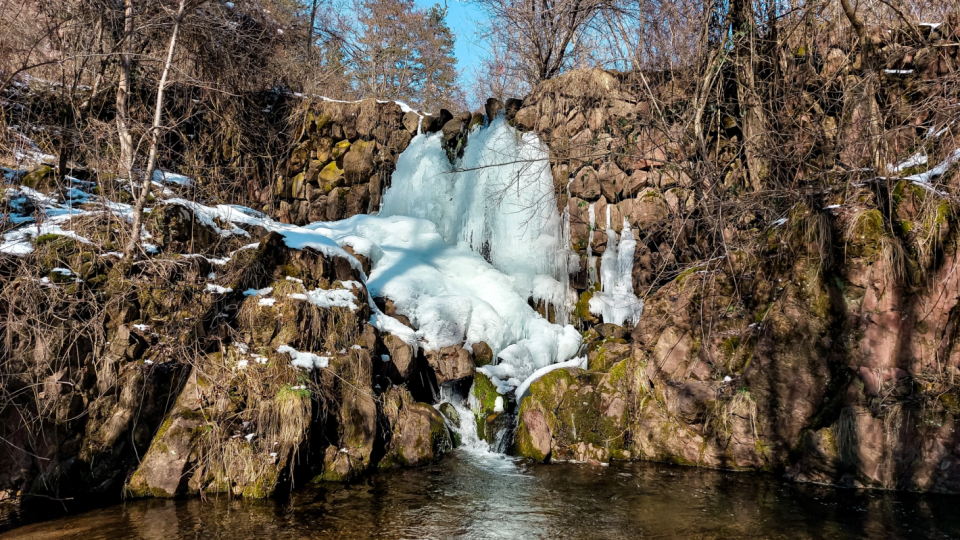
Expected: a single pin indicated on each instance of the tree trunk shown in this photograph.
(869, 96)
(123, 93)
(753, 121)
(313, 22)
(147, 180)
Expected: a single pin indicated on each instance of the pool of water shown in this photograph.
(483, 495)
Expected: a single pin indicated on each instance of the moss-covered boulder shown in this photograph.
(484, 395)
(573, 414)
(42, 178)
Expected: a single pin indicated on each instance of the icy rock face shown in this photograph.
(460, 250)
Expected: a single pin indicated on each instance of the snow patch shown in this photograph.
(304, 360)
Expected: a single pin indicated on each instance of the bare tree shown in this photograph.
(541, 39)
(153, 136)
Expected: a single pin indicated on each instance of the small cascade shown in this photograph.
(466, 429)
(461, 250)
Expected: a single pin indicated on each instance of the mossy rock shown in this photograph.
(41, 179)
(581, 310)
(340, 149)
(486, 395)
(331, 177)
(482, 354)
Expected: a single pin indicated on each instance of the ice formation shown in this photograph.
(460, 249)
(616, 302)
(498, 201)
(452, 295)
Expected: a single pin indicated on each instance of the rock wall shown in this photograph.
(174, 376)
(346, 155)
(822, 345)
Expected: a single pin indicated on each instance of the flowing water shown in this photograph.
(473, 494)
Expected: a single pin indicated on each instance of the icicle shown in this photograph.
(616, 303)
(591, 260)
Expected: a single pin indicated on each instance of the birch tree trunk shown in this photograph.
(123, 93)
(146, 180)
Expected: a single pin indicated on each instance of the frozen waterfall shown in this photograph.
(461, 248)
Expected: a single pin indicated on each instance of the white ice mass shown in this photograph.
(441, 224)
(616, 302)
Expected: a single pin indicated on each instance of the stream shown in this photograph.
(476, 494)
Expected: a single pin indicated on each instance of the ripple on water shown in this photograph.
(484, 495)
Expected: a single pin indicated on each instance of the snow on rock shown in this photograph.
(460, 251)
(525, 386)
(452, 295)
(327, 299)
(218, 289)
(20, 241)
(207, 214)
(920, 158)
(939, 170)
(616, 302)
(304, 360)
(167, 177)
(258, 292)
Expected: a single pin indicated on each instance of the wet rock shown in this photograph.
(450, 413)
(417, 434)
(482, 354)
(582, 414)
(451, 364)
(535, 440)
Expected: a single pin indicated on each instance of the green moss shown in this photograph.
(164, 427)
(944, 211)
(524, 444)
(582, 308)
(729, 346)
(287, 392)
(762, 314)
(486, 394)
(950, 403)
(905, 226)
(45, 239)
(37, 178)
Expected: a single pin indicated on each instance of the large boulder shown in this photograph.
(451, 364)
(416, 432)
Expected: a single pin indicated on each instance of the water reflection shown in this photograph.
(482, 495)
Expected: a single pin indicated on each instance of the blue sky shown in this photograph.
(464, 19)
